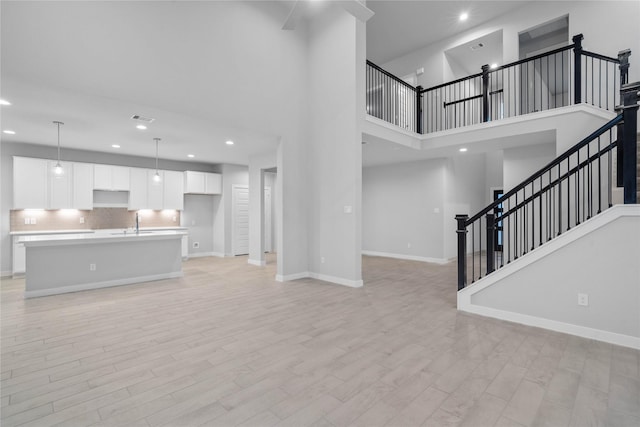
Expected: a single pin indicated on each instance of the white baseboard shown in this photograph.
(323, 277)
(554, 325)
(5, 274)
(295, 276)
(98, 285)
(407, 257)
(202, 254)
(257, 262)
(337, 280)
(218, 254)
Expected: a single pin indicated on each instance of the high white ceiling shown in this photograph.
(399, 27)
(207, 71)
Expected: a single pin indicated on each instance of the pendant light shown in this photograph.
(156, 177)
(58, 170)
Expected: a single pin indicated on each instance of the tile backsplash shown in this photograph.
(69, 219)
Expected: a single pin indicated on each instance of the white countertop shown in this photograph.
(88, 230)
(26, 233)
(114, 236)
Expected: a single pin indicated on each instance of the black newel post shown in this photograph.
(623, 57)
(419, 109)
(630, 94)
(491, 228)
(462, 250)
(485, 93)
(577, 68)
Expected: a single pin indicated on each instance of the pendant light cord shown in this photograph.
(58, 123)
(157, 140)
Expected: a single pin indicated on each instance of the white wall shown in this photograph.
(522, 162)
(8, 150)
(270, 181)
(465, 189)
(399, 204)
(598, 21)
(198, 216)
(336, 113)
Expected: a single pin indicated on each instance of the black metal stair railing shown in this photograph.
(392, 99)
(574, 187)
(565, 76)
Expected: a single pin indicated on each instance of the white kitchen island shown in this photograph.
(75, 262)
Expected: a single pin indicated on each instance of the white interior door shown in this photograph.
(268, 222)
(240, 220)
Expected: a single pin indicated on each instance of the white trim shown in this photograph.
(337, 280)
(218, 254)
(295, 276)
(202, 254)
(407, 257)
(318, 276)
(98, 285)
(554, 325)
(257, 262)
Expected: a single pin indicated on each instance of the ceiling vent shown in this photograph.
(476, 46)
(142, 118)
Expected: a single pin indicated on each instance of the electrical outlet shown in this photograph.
(27, 221)
(33, 221)
(174, 219)
(81, 220)
(92, 267)
(196, 245)
(583, 299)
(193, 222)
(322, 260)
(409, 245)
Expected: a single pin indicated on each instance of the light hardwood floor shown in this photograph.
(227, 345)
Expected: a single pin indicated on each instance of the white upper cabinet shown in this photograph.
(173, 190)
(202, 183)
(146, 193)
(29, 183)
(138, 189)
(36, 186)
(155, 190)
(60, 186)
(111, 178)
(82, 186)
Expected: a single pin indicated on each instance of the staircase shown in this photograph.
(570, 190)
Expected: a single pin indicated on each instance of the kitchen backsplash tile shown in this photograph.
(98, 218)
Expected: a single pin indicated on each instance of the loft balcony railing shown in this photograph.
(571, 189)
(565, 76)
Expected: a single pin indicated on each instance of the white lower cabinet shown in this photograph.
(19, 257)
(185, 246)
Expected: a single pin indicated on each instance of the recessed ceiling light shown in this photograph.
(4, 102)
(191, 156)
(115, 146)
(229, 142)
(462, 150)
(141, 127)
(494, 66)
(9, 132)
(464, 16)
